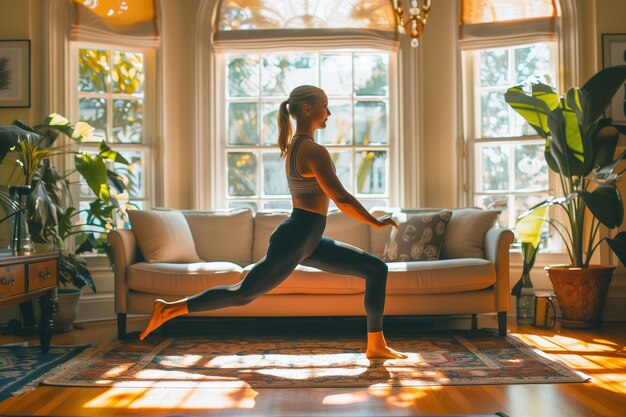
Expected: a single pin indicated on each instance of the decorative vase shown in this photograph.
(66, 309)
(21, 237)
(581, 294)
(526, 301)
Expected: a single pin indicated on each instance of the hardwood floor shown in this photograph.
(601, 354)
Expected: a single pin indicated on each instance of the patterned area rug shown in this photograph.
(22, 366)
(275, 362)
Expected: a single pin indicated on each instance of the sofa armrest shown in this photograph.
(125, 253)
(497, 244)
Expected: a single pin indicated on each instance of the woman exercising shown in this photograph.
(298, 240)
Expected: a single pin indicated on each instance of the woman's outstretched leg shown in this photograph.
(341, 258)
(294, 240)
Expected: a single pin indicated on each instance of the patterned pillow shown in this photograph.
(418, 238)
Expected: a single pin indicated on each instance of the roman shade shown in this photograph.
(132, 22)
(244, 26)
(508, 21)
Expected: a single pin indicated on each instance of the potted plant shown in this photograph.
(580, 148)
(51, 216)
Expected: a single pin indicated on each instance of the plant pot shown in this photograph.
(66, 309)
(581, 293)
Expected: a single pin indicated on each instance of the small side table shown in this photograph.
(25, 277)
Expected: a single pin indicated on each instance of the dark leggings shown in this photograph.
(298, 240)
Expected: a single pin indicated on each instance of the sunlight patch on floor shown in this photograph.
(346, 398)
(175, 398)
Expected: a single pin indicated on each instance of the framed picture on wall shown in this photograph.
(15, 73)
(614, 53)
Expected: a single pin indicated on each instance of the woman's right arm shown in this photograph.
(320, 163)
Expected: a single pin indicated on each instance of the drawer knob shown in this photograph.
(7, 281)
(44, 274)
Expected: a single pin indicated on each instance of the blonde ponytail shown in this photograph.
(305, 94)
(284, 128)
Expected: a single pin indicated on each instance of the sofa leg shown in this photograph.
(502, 323)
(121, 326)
(474, 322)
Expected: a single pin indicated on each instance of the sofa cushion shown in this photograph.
(181, 279)
(440, 277)
(307, 280)
(419, 236)
(163, 236)
(222, 235)
(264, 224)
(465, 237)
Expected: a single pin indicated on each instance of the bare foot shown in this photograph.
(377, 347)
(162, 312)
(384, 352)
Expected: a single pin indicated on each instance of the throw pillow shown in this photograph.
(222, 235)
(418, 238)
(163, 236)
(465, 237)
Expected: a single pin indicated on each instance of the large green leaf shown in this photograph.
(532, 109)
(618, 245)
(567, 144)
(530, 224)
(601, 88)
(109, 154)
(605, 203)
(604, 138)
(94, 170)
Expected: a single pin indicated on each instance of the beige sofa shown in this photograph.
(471, 276)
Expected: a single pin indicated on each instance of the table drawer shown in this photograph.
(42, 275)
(12, 280)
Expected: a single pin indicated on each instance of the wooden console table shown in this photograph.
(26, 277)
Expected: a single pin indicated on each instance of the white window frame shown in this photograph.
(220, 183)
(149, 116)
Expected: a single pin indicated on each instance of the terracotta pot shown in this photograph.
(581, 293)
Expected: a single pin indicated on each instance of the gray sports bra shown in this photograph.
(298, 185)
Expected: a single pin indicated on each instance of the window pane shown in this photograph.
(127, 121)
(133, 174)
(93, 69)
(493, 168)
(494, 116)
(370, 172)
(532, 61)
(243, 76)
(242, 204)
(343, 167)
(283, 205)
(94, 112)
(370, 122)
(274, 178)
(494, 67)
(370, 73)
(531, 169)
(127, 74)
(339, 125)
(281, 73)
(242, 177)
(242, 124)
(270, 124)
(337, 74)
